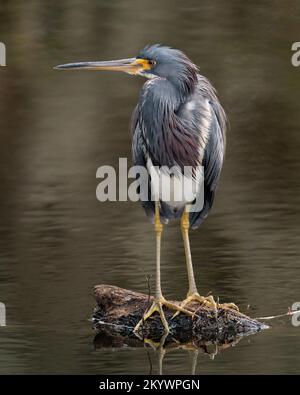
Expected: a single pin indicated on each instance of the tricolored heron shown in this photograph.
(178, 121)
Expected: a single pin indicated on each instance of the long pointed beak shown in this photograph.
(131, 66)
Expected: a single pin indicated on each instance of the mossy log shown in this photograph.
(119, 310)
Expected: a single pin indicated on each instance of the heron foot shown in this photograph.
(157, 306)
(206, 301)
(203, 300)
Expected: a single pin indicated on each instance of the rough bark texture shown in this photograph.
(119, 310)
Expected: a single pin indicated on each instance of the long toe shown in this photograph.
(156, 307)
(178, 308)
(206, 301)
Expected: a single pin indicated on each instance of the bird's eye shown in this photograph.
(152, 62)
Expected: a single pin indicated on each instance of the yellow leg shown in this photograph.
(159, 300)
(159, 347)
(193, 294)
(185, 225)
(194, 361)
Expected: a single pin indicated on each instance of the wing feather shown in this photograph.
(139, 153)
(212, 160)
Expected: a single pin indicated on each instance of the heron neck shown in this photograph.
(159, 102)
(159, 95)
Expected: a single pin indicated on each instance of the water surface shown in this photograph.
(57, 128)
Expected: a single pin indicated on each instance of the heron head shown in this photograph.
(166, 62)
(152, 61)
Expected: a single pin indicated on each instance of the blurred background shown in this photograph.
(56, 128)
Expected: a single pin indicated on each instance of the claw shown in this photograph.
(231, 306)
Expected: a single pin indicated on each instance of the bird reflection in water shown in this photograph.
(106, 339)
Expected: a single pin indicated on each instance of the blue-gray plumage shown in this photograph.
(180, 122)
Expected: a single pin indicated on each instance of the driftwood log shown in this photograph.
(119, 310)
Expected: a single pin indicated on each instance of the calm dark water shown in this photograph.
(57, 241)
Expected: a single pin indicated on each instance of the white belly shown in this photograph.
(173, 187)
